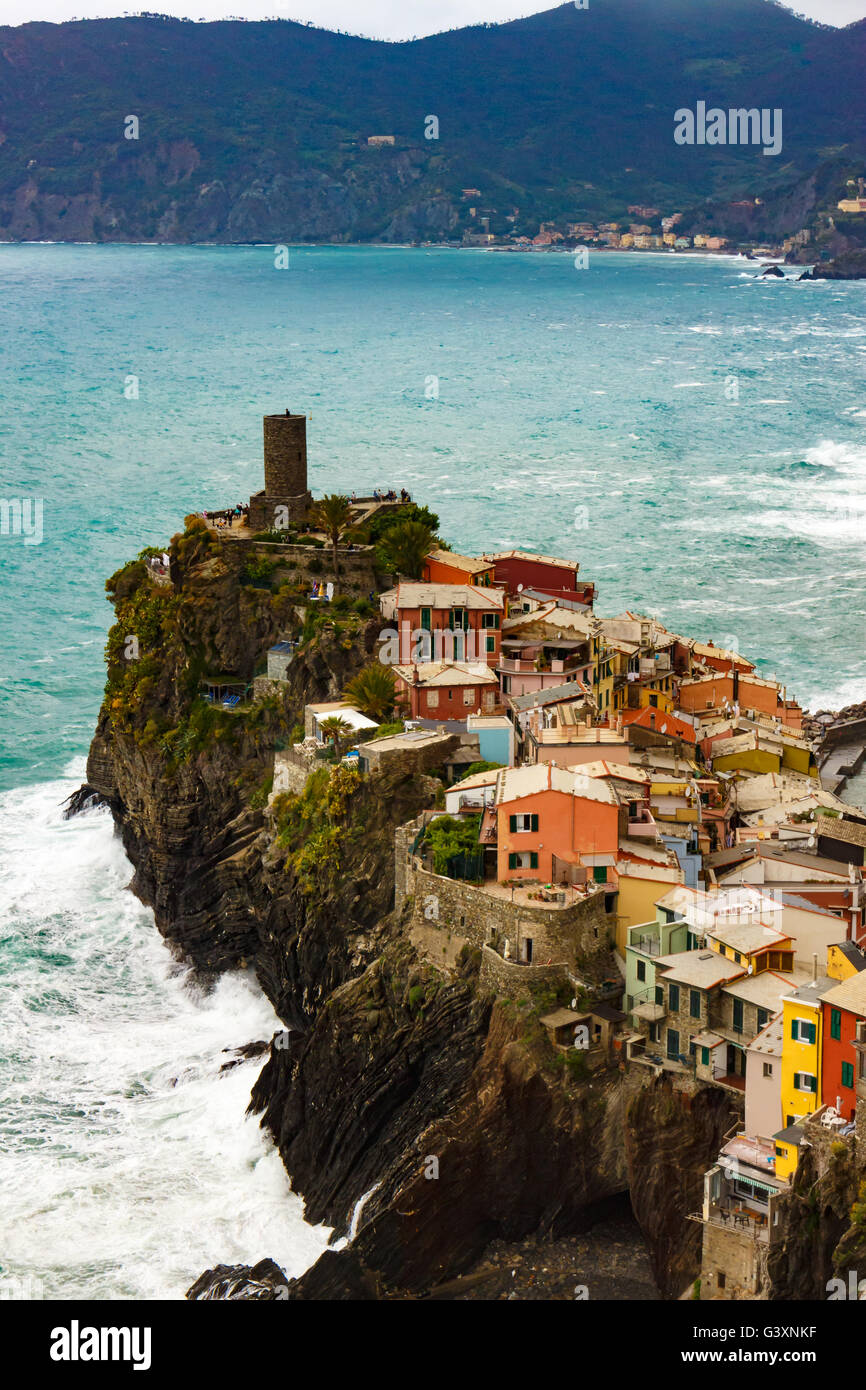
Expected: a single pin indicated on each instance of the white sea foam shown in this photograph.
(849, 459)
(127, 1165)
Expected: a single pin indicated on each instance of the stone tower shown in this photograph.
(285, 497)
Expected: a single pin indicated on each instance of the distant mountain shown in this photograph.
(258, 131)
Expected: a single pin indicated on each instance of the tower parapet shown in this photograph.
(286, 497)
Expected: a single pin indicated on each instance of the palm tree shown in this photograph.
(406, 546)
(372, 691)
(333, 515)
(335, 731)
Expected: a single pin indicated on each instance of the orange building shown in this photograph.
(704, 693)
(554, 825)
(720, 659)
(445, 567)
(659, 722)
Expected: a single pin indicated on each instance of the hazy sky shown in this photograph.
(387, 19)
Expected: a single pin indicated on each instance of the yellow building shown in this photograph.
(843, 961)
(602, 670)
(801, 1050)
(787, 1143)
(641, 886)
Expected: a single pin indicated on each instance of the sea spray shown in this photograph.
(127, 1165)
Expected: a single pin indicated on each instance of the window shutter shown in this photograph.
(533, 859)
(512, 858)
(512, 823)
(794, 1029)
(533, 825)
(813, 1083)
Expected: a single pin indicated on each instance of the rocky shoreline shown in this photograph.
(387, 1060)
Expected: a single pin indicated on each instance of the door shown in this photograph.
(526, 951)
(673, 1044)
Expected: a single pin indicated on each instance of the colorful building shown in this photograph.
(554, 825)
(464, 621)
(745, 692)
(843, 1007)
(446, 690)
(446, 567)
(801, 1050)
(521, 569)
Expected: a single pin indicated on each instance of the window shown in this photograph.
(660, 995)
(695, 1003)
(801, 1031)
(469, 695)
(526, 859)
(674, 999)
(848, 1074)
(460, 618)
(803, 1081)
(425, 619)
(599, 873)
(432, 699)
(835, 1024)
(673, 1043)
(738, 1016)
(489, 619)
(491, 642)
(705, 1056)
(641, 969)
(768, 1068)
(763, 1018)
(525, 822)
(738, 958)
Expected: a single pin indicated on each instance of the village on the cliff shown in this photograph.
(634, 816)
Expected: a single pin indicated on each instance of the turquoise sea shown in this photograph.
(694, 436)
(558, 389)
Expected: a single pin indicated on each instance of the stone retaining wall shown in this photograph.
(514, 980)
(570, 936)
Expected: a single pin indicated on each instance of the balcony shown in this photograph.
(648, 945)
(649, 1010)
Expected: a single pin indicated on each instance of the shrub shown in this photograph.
(388, 730)
(258, 571)
(447, 836)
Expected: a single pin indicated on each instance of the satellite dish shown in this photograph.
(520, 588)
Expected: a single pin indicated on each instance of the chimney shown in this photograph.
(814, 967)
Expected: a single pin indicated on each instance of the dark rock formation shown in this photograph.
(84, 799)
(813, 1223)
(263, 1282)
(850, 265)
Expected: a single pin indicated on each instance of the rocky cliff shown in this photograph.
(426, 1118)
